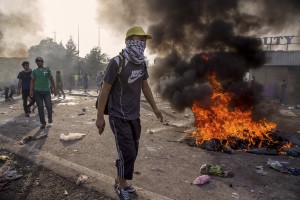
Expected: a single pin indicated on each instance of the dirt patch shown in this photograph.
(40, 183)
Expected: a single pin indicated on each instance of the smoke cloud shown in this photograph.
(196, 38)
(20, 22)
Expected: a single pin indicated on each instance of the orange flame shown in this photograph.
(286, 145)
(218, 122)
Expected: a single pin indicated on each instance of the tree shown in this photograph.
(71, 48)
(95, 61)
(57, 57)
(72, 60)
(52, 53)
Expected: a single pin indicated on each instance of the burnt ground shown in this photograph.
(165, 166)
(38, 182)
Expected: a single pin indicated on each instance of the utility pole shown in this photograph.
(54, 37)
(99, 37)
(78, 41)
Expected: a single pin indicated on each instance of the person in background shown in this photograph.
(59, 84)
(40, 87)
(13, 86)
(123, 93)
(99, 80)
(85, 82)
(76, 80)
(6, 93)
(81, 80)
(10, 90)
(282, 92)
(71, 82)
(24, 84)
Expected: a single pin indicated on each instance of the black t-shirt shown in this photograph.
(125, 95)
(26, 78)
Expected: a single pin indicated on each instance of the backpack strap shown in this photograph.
(121, 61)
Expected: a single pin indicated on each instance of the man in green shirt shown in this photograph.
(40, 87)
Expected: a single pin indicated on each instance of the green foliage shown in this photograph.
(95, 61)
(71, 49)
(55, 55)
(66, 59)
(52, 53)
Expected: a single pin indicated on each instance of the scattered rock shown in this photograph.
(262, 172)
(235, 195)
(150, 131)
(137, 172)
(81, 179)
(4, 157)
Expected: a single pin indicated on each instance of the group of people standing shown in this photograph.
(37, 86)
(76, 81)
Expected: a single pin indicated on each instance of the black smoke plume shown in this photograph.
(198, 37)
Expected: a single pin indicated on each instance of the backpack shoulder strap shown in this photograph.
(121, 63)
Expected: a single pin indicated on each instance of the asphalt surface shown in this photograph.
(165, 168)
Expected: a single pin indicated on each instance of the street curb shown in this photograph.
(65, 168)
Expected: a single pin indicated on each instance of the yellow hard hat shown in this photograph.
(136, 30)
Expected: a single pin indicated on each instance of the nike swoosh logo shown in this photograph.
(131, 80)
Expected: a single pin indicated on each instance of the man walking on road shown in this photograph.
(122, 91)
(24, 83)
(40, 87)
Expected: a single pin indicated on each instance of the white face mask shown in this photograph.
(136, 45)
(135, 50)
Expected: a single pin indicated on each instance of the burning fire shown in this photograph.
(218, 122)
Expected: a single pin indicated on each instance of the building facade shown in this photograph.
(280, 65)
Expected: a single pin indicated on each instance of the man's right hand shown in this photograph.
(100, 123)
(31, 93)
(18, 92)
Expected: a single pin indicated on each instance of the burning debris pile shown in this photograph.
(220, 128)
(218, 122)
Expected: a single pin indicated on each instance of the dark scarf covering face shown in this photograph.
(134, 51)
